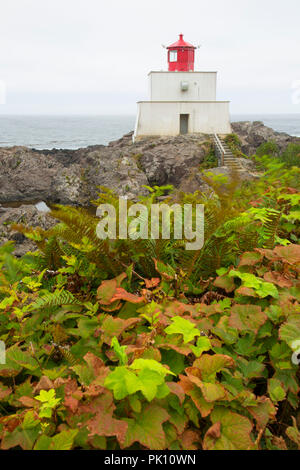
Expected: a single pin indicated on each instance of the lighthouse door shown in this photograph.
(184, 123)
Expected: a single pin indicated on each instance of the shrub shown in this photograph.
(233, 140)
(268, 148)
(139, 345)
(291, 155)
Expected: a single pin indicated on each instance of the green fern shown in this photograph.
(55, 299)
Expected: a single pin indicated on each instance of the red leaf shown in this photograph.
(196, 395)
(278, 279)
(164, 270)
(190, 440)
(107, 289)
(289, 254)
(103, 423)
(177, 390)
(247, 317)
(214, 431)
(152, 282)
(122, 294)
(226, 283)
(112, 326)
(44, 384)
(250, 258)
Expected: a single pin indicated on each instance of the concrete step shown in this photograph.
(229, 159)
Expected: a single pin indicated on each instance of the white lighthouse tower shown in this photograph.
(182, 101)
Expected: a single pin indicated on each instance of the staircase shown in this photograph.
(225, 155)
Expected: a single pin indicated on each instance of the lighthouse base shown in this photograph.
(171, 118)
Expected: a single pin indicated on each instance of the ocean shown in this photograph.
(72, 132)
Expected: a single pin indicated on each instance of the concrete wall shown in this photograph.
(166, 86)
(163, 117)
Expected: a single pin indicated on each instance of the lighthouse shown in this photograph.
(182, 100)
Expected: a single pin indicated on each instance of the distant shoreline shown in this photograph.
(45, 132)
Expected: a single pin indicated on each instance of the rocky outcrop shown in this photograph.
(27, 215)
(253, 134)
(74, 176)
(66, 176)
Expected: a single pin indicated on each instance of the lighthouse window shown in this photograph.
(173, 56)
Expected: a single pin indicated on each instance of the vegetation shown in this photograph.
(290, 156)
(268, 148)
(144, 345)
(210, 160)
(235, 145)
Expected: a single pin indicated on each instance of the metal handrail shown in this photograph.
(220, 151)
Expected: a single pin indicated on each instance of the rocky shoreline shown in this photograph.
(74, 176)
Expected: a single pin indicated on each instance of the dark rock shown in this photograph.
(253, 134)
(17, 237)
(27, 215)
(74, 176)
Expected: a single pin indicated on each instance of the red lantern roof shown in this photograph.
(181, 43)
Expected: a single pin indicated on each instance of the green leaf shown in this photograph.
(166, 271)
(173, 359)
(232, 433)
(49, 402)
(209, 366)
(25, 438)
(263, 289)
(276, 391)
(43, 443)
(146, 428)
(250, 369)
(151, 364)
(290, 331)
(87, 327)
(203, 344)
(293, 433)
(119, 350)
(149, 383)
(123, 382)
(135, 403)
(16, 359)
(30, 421)
(184, 327)
(64, 440)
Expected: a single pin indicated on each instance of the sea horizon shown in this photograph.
(73, 131)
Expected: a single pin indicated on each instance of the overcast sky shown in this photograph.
(93, 56)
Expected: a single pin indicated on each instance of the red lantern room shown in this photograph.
(181, 56)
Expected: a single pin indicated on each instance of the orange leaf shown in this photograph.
(122, 294)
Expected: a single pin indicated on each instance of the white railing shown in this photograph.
(219, 149)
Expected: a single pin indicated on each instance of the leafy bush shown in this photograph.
(142, 345)
(210, 159)
(291, 155)
(268, 148)
(234, 140)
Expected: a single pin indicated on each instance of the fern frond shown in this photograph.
(55, 299)
(271, 227)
